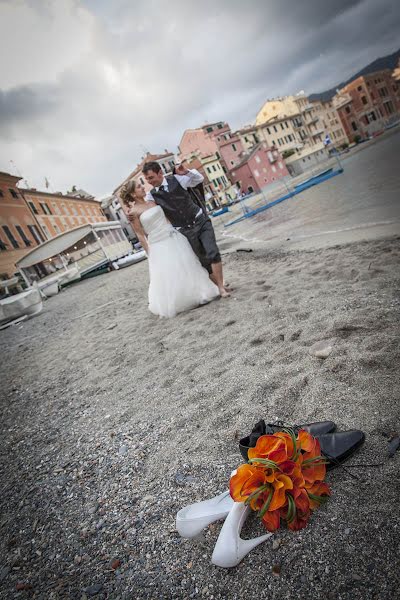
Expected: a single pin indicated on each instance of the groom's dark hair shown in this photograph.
(151, 166)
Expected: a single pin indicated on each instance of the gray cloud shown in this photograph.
(82, 110)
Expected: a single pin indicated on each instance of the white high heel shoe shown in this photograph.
(192, 519)
(230, 549)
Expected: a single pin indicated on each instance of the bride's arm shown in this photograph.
(138, 229)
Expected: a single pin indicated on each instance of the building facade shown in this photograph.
(113, 210)
(166, 162)
(331, 123)
(292, 125)
(58, 213)
(368, 104)
(233, 150)
(260, 167)
(20, 231)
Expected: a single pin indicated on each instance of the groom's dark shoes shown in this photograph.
(261, 428)
(335, 446)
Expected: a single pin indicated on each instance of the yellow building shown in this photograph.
(277, 107)
(292, 125)
(330, 121)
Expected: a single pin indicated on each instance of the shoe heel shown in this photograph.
(230, 549)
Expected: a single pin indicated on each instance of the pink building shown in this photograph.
(214, 138)
(261, 167)
(251, 169)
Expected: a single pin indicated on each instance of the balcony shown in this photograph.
(307, 107)
(297, 124)
(318, 131)
(312, 121)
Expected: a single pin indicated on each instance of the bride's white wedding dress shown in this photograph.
(178, 282)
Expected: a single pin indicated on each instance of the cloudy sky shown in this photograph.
(87, 86)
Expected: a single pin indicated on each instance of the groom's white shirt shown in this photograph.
(191, 179)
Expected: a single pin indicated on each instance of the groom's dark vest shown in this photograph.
(177, 203)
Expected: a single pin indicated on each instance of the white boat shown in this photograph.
(28, 303)
(131, 259)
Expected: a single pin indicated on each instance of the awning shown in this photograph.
(62, 242)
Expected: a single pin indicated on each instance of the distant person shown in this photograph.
(178, 282)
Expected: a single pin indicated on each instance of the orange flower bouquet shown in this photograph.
(283, 480)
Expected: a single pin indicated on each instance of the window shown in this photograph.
(214, 168)
(275, 129)
(234, 147)
(354, 126)
(33, 208)
(258, 159)
(360, 88)
(1, 194)
(282, 126)
(13, 193)
(364, 100)
(10, 236)
(347, 109)
(208, 169)
(21, 232)
(141, 180)
(36, 233)
(245, 138)
(383, 92)
(220, 126)
(389, 107)
(45, 208)
(268, 130)
(286, 125)
(209, 129)
(256, 173)
(46, 232)
(232, 163)
(118, 215)
(56, 229)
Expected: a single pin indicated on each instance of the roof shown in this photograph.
(62, 242)
(34, 191)
(247, 157)
(8, 175)
(247, 129)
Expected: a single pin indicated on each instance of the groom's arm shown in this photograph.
(188, 178)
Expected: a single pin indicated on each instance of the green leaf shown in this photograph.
(266, 504)
(255, 494)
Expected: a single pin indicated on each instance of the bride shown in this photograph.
(178, 282)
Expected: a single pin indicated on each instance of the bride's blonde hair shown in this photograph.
(126, 192)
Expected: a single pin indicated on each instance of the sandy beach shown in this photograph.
(113, 420)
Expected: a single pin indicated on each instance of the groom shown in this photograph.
(171, 193)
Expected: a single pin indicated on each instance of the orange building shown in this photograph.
(368, 104)
(19, 229)
(57, 213)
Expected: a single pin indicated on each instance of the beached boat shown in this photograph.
(27, 303)
(131, 259)
(219, 212)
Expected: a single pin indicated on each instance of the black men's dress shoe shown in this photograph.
(261, 428)
(335, 447)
